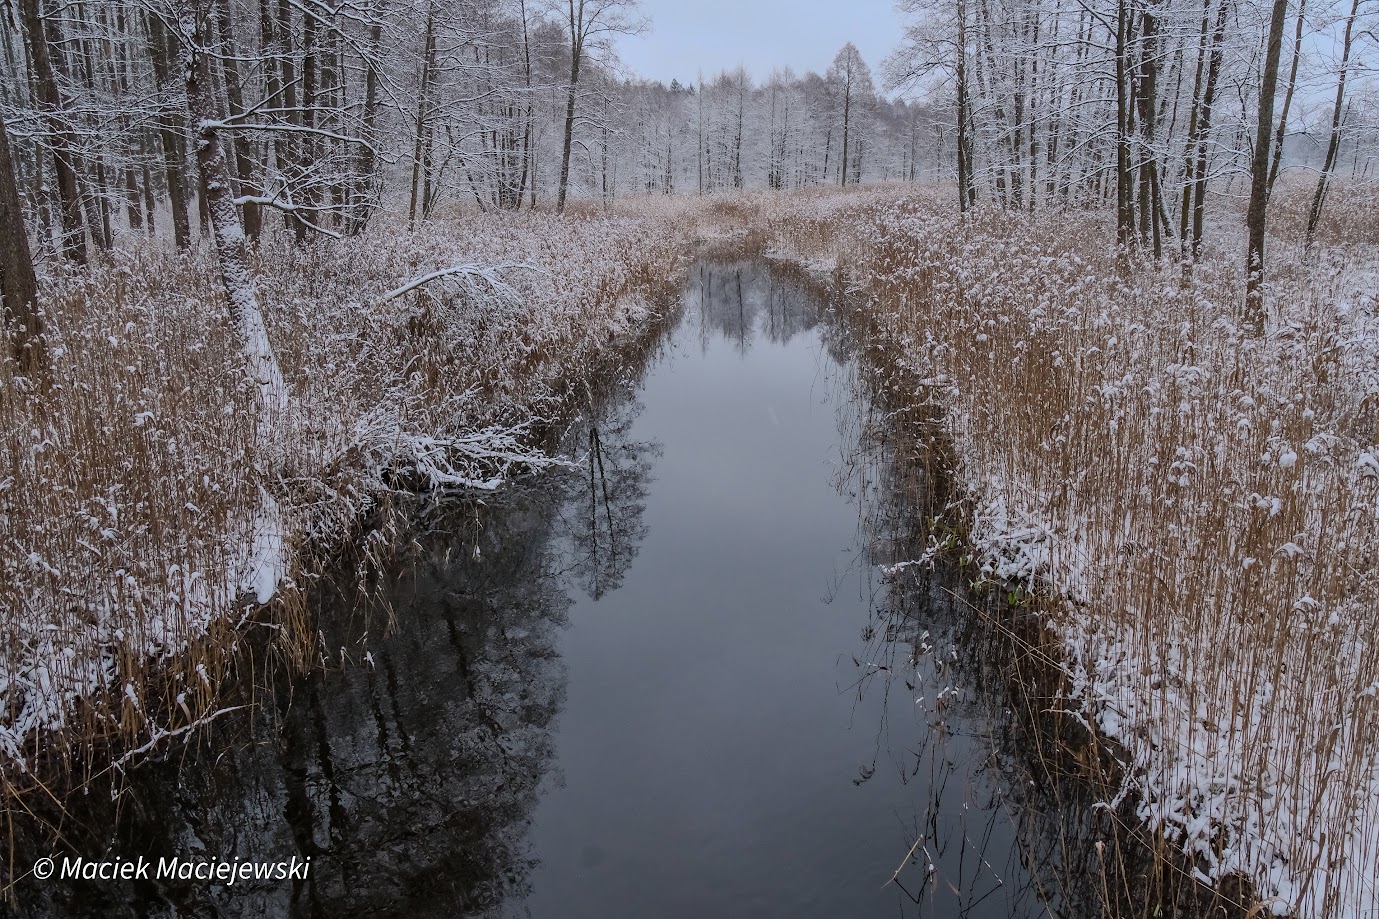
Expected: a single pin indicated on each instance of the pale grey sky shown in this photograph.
(687, 35)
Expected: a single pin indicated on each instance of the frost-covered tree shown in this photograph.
(1145, 107)
(329, 113)
(590, 24)
(198, 48)
(851, 81)
(18, 286)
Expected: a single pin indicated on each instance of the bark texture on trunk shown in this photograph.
(1256, 219)
(18, 285)
(73, 242)
(230, 246)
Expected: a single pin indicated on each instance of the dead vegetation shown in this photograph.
(144, 516)
(1203, 503)
(1199, 504)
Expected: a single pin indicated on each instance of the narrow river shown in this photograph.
(674, 682)
(713, 751)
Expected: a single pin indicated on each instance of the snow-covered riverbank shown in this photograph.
(1198, 507)
(144, 516)
(1201, 505)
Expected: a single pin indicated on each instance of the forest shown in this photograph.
(277, 273)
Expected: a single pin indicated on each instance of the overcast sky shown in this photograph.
(687, 35)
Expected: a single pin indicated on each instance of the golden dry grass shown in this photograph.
(1203, 504)
(133, 487)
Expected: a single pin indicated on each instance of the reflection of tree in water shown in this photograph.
(408, 776)
(739, 299)
(445, 740)
(1006, 822)
(734, 299)
(407, 766)
(603, 516)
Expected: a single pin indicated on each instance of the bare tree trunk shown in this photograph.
(737, 136)
(289, 151)
(120, 87)
(1194, 115)
(576, 52)
(18, 285)
(699, 150)
(337, 92)
(1037, 90)
(527, 115)
(913, 169)
(42, 198)
(423, 98)
(311, 152)
(604, 152)
(1287, 98)
(1314, 216)
(146, 175)
(97, 202)
(244, 162)
(231, 249)
(847, 113)
(1257, 216)
(1195, 168)
(1018, 100)
(362, 205)
(828, 150)
(169, 125)
(73, 241)
(967, 188)
(1147, 97)
(772, 168)
(1125, 202)
(668, 183)
(134, 213)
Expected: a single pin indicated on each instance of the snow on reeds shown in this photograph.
(1203, 506)
(1200, 507)
(142, 513)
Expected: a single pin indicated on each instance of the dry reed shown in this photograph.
(1204, 504)
(143, 518)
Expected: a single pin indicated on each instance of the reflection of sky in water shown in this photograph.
(710, 749)
(709, 737)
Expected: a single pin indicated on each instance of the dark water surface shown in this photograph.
(671, 683)
(712, 748)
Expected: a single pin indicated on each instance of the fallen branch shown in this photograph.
(161, 735)
(488, 278)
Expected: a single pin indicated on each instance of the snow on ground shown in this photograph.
(141, 504)
(1206, 506)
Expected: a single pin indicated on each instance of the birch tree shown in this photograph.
(197, 51)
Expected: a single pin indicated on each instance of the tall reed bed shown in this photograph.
(144, 517)
(1200, 506)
